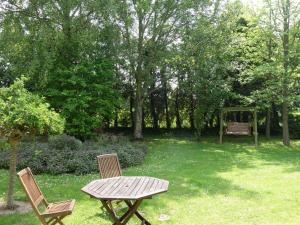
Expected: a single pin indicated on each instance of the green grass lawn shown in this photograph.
(233, 183)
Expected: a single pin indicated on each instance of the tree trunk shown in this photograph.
(285, 124)
(138, 123)
(168, 121)
(221, 117)
(268, 123)
(275, 124)
(199, 121)
(12, 172)
(116, 122)
(131, 102)
(143, 118)
(192, 109)
(285, 40)
(153, 111)
(177, 113)
(165, 96)
(269, 44)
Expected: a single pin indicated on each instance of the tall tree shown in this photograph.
(286, 14)
(209, 48)
(276, 60)
(148, 26)
(67, 49)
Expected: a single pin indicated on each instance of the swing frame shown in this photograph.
(252, 110)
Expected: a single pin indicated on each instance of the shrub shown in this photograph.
(64, 141)
(107, 138)
(4, 145)
(65, 154)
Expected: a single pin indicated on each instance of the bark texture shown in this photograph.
(14, 140)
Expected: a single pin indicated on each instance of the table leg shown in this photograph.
(144, 221)
(132, 210)
(111, 212)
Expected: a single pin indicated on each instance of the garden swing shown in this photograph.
(238, 128)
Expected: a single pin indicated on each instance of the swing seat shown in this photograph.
(238, 128)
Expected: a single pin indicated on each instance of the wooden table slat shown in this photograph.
(154, 185)
(148, 188)
(121, 186)
(125, 188)
(138, 187)
(93, 184)
(109, 186)
(101, 185)
(133, 185)
(143, 187)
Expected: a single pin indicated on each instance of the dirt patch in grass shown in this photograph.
(21, 207)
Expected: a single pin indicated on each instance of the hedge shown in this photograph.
(66, 154)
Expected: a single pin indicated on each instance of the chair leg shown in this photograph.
(44, 222)
(56, 220)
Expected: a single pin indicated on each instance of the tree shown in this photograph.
(147, 28)
(85, 96)
(23, 113)
(285, 14)
(208, 47)
(66, 48)
(275, 60)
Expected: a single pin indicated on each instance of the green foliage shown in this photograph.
(174, 62)
(209, 50)
(66, 154)
(4, 145)
(72, 66)
(22, 111)
(85, 96)
(64, 141)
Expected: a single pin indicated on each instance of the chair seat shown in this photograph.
(59, 208)
(238, 132)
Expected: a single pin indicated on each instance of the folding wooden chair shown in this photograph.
(109, 166)
(53, 213)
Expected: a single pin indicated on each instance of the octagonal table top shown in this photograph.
(126, 187)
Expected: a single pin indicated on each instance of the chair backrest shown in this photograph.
(31, 188)
(109, 166)
(238, 128)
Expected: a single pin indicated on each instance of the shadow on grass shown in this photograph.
(193, 169)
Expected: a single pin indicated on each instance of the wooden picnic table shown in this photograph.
(130, 189)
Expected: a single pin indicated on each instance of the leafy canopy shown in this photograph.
(85, 96)
(26, 113)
